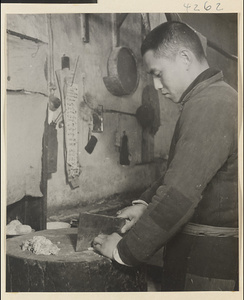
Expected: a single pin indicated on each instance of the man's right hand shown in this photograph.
(132, 214)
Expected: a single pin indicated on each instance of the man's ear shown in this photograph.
(186, 56)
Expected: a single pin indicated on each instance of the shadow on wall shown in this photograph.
(28, 211)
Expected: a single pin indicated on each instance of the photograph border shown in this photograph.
(130, 6)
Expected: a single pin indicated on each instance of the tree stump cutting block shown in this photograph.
(68, 271)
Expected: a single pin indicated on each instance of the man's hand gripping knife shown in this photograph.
(107, 244)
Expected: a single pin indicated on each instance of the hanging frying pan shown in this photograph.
(122, 76)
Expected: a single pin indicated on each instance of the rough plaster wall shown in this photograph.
(25, 112)
(102, 175)
(25, 120)
(26, 64)
(30, 25)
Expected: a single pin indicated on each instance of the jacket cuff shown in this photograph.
(117, 258)
(139, 201)
(126, 255)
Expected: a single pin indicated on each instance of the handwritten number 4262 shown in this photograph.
(206, 7)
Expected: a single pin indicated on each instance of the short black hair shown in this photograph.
(168, 37)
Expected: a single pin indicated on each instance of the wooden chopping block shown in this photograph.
(68, 271)
(91, 225)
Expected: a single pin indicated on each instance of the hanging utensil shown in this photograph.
(122, 76)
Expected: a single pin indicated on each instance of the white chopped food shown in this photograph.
(15, 227)
(15, 222)
(90, 248)
(23, 229)
(40, 245)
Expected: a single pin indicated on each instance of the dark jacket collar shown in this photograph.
(205, 75)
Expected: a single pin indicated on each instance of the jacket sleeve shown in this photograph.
(151, 190)
(205, 140)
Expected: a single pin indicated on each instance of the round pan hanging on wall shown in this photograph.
(145, 115)
(122, 76)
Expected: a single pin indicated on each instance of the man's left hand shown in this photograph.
(105, 244)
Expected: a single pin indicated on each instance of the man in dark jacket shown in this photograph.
(193, 207)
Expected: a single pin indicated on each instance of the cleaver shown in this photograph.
(91, 225)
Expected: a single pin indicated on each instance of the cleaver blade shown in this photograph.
(91, 225)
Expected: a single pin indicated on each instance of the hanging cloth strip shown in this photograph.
(69, 103)
(206, 230)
